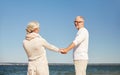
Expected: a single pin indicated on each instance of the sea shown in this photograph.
(61, 69)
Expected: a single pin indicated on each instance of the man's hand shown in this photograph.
(63, 51)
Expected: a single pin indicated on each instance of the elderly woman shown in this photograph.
(34, 46)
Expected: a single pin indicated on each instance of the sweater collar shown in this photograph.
(31, 36)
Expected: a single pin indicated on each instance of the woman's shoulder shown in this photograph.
(24, 41)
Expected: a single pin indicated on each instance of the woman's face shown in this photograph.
(36, 30)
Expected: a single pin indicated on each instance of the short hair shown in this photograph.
(80, 17)
(31, 26)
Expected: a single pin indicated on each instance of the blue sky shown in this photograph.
(56, 22)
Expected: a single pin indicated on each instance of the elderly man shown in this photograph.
(79, 46)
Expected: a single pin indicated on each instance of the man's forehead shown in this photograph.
(78, 18)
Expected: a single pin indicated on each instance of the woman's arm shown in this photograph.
(49, 46)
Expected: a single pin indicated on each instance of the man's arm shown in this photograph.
(65, 50)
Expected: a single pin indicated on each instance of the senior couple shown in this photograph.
(35, 45)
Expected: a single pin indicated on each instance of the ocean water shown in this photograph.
(57, 69)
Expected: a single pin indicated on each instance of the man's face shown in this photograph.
(78, 23)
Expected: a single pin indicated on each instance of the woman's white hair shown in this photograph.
(31, 26)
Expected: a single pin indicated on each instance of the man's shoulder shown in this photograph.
(85, 29)
(82, 29)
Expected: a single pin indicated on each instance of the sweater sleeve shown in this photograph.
(49, 46)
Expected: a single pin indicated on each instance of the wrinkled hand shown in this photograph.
(63, 51)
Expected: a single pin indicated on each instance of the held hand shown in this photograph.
(63, 51)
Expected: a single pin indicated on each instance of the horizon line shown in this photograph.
(25, 63)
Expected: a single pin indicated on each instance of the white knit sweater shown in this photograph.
(35, 45)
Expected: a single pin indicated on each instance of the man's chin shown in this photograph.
(77, 28)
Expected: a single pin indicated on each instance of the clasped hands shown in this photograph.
(63, 51)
